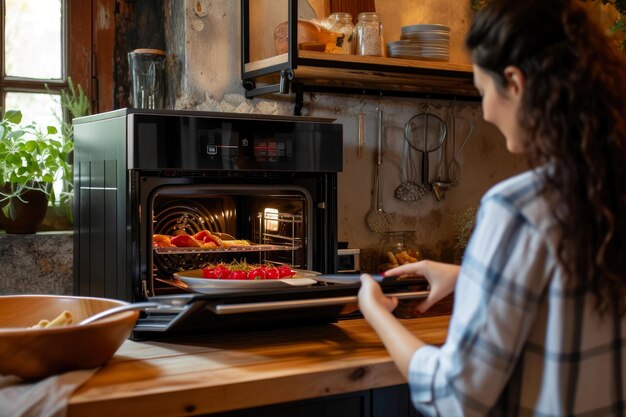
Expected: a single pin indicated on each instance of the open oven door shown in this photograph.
(329, 299)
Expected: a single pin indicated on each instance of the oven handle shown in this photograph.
(222, 309)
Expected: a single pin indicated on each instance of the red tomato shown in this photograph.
(285, 272)
(222, 272)
(256, 273)
(238, 274)
(209, 273)
(272, 273)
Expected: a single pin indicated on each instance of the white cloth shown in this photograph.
(45, 398)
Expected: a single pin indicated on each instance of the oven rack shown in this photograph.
(232, 249)
(281, 228)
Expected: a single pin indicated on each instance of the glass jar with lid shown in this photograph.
(342, 23)
(397, 248)
(368, 35)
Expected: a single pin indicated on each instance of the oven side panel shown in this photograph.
(101, 241)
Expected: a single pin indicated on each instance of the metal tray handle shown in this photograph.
(223, 309)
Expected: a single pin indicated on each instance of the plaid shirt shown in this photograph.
(521, 341)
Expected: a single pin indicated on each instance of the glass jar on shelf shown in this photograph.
(397, 248)
(368, 35)
(341, 22)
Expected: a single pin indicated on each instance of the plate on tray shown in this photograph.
(194, 280)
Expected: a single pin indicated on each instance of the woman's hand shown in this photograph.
(372, 299)
(440, 276)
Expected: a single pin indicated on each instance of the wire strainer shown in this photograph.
(425, 132)
(409, 188)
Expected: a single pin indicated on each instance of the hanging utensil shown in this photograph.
(377, 219)
(361, 130)
(409, 188)
(442, 183)
(425, 132)
(454, 169)
(361, 134)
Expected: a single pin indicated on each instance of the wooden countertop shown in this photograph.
(209, 374)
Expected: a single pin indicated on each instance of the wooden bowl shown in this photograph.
(35, 353)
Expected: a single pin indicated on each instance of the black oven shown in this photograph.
(269, 182)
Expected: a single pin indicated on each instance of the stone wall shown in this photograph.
(36, 264)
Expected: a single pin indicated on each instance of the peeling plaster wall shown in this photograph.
(211, 71)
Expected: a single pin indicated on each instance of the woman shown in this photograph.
(538, 325)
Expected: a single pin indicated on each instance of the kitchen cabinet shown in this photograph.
(393, 401)
(300, 71)
(346, 405)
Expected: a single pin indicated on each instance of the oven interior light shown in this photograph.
(271, 219)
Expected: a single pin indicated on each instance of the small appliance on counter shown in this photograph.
(348, 261)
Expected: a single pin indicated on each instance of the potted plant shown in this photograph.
(75, 102)
(31, 160)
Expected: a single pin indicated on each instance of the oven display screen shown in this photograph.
(272, 148)
(221, 144)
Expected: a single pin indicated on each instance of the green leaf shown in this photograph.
(52, 130)
(13, 116)
(30, 145)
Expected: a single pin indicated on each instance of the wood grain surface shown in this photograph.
(207, 374)
(373, 72)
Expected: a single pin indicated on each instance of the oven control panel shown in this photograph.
(188, 142)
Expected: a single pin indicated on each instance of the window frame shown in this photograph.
(34, 85)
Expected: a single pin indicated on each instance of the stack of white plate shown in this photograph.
(428, 42)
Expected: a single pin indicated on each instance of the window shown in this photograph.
(33, 56)
(42, 43)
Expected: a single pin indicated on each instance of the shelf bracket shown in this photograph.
(299, 90)
(286, 76)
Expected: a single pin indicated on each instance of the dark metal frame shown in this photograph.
(285, 69)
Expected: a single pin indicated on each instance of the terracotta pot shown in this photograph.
(25, 216)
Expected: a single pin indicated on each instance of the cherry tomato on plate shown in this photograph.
(285, 272)
(256, 273)
(222, 272)
(210, 273)
(272, 273)
(238, 274)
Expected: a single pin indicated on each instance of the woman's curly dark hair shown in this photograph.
(574, 107)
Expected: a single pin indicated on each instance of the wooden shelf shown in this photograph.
(386, 73)
(318, 71)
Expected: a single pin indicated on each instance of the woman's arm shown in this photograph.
(376, 308)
